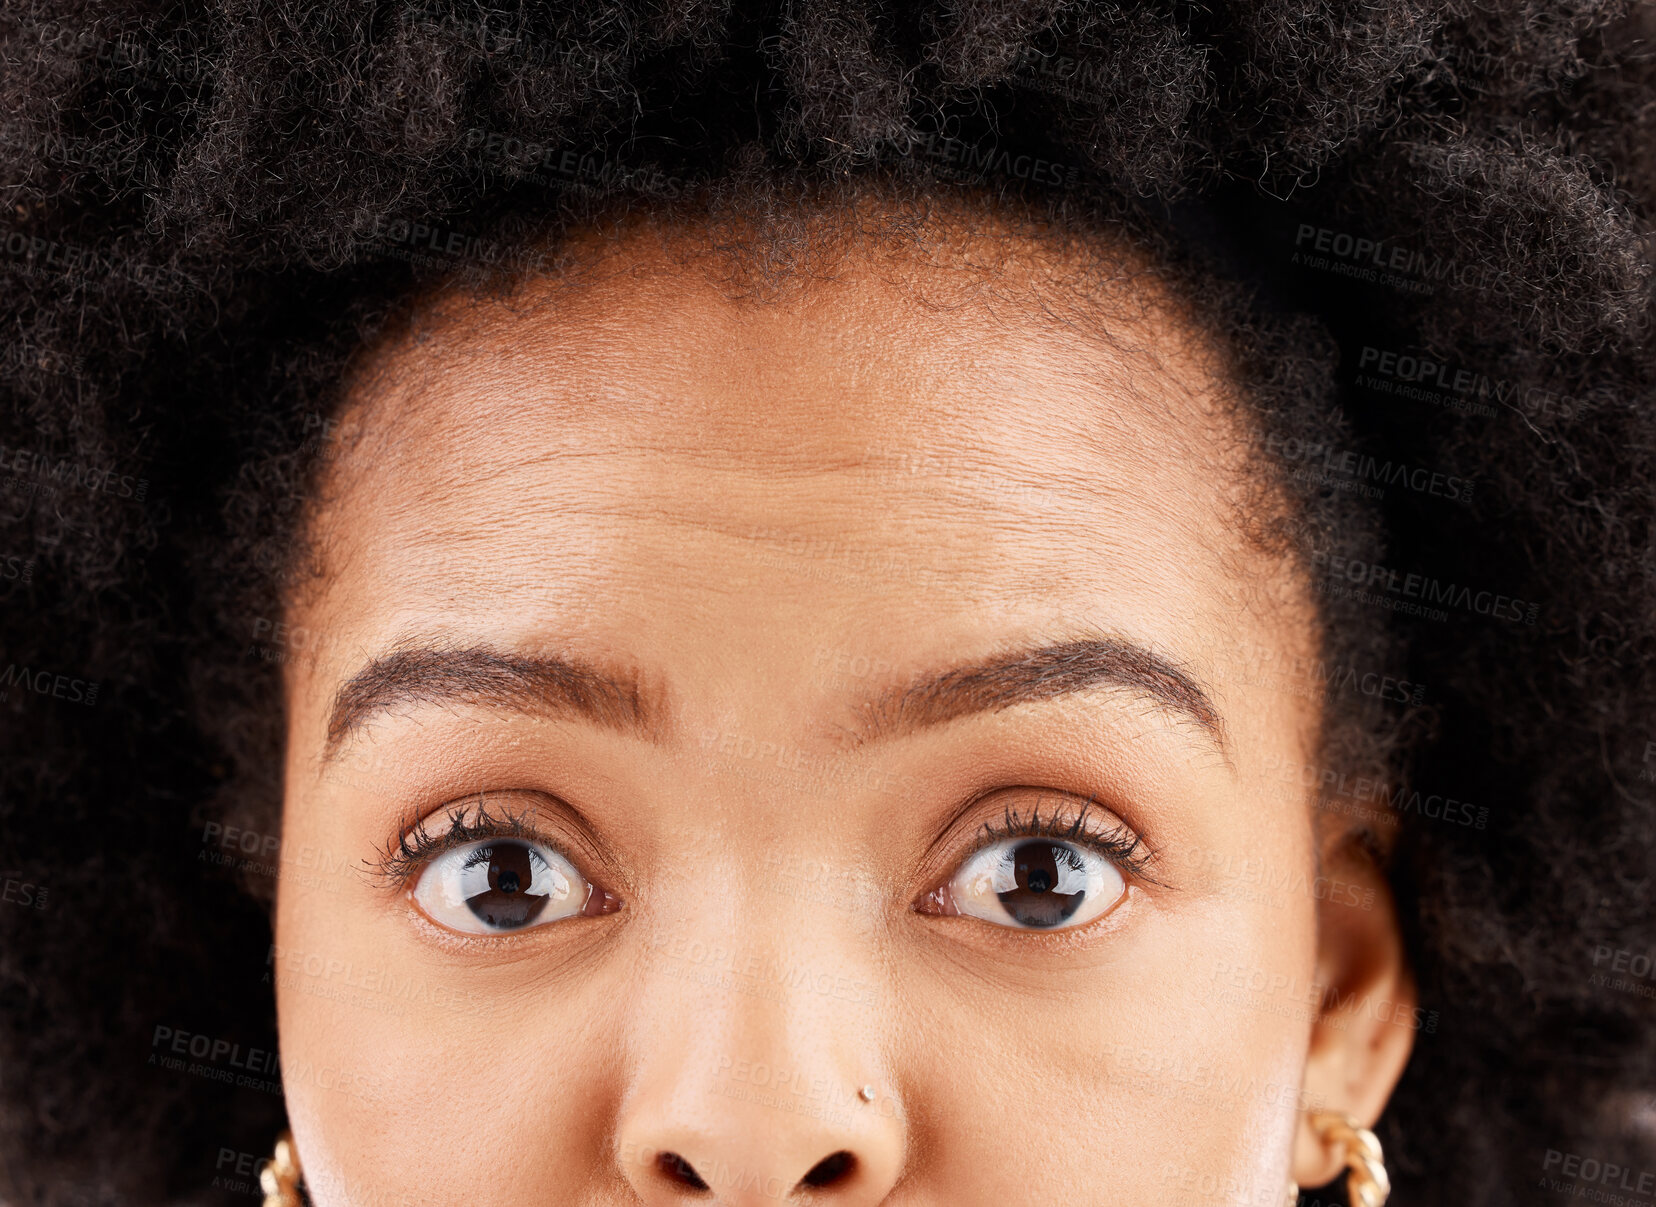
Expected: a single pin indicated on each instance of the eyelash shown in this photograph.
(406, 857)
(1113, 840)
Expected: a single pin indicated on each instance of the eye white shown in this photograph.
(1036, 884)
(497, 886)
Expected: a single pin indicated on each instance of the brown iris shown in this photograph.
(508, 901)
(1039, 868)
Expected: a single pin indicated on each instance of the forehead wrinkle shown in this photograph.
(597, 330)
(540, 317)
(1147, 371)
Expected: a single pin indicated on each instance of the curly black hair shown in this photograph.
(1423, 228)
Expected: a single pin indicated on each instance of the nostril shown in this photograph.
(835, 1167)
(680, 1171)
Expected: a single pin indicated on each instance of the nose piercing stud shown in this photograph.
(866, 1093)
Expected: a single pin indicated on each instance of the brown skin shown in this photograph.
(770, 513)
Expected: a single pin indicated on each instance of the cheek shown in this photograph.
(1147, 1079)
(336, 1026)
(406, 1084)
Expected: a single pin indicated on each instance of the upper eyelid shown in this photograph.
(987, 832)
(1087, 838)
(397, 865)
(548, 818)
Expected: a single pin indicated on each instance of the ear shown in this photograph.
(1369, 1013)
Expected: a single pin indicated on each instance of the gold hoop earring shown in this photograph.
(1367, 1183)
(280, 1179)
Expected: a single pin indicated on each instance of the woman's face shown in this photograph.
(775, 700)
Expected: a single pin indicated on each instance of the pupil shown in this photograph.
(1033, 902)
(506, 902)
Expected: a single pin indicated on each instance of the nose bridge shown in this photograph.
(754, 1038)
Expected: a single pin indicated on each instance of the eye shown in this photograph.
(501, 885)
(1034, 884)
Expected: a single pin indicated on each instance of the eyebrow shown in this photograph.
(1047, 672)
(547, 685)
(566, 687)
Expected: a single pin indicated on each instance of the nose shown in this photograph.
(747, 1132)
(666, 1176)
(761, 1148)
(747, 1092)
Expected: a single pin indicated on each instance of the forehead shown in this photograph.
(890, 453)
